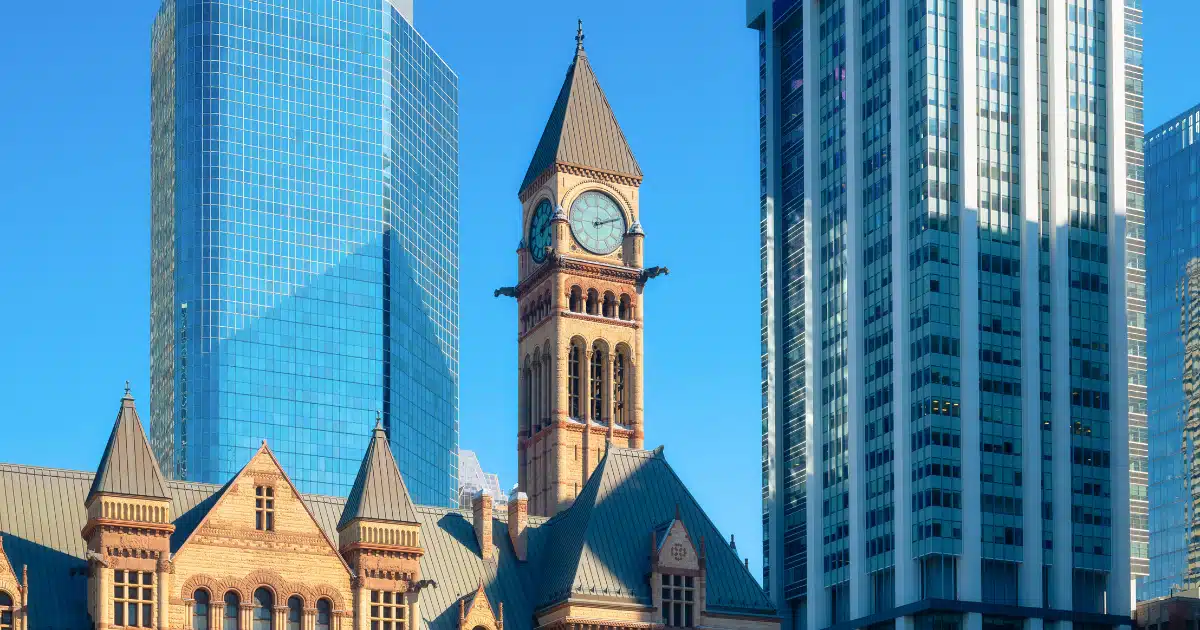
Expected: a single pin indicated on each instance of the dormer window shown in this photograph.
(678, 601)
(264, 508)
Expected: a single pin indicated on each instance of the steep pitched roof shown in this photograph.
(631, 494)
(128, 466)
(582, 129)
(379, 492)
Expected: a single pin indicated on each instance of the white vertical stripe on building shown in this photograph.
(818, 604)
(1056, 49)
(854, 319)
(1030, 578)
(906, 573)
(1119, 588)
(969, 573)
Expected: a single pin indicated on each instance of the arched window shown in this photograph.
(229, 619)
(200, 610)
(6, 611)
(593, 302)
(625, 310)
(597, 383)
(324, 613)
(527, 388)
(264, 603)
(574, 369)
(538, 384)
(619, 387)
(610, 304)
(576, 300)
(295, 612)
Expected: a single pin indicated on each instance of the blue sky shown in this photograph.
(682, 77)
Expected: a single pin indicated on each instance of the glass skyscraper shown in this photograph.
(1173, 241)
(305, 241)
(951, 198)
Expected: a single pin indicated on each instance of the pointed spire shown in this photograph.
(379, 493)
(128, 466)
(582, 130)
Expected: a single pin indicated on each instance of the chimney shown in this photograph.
(483, 524)
(518, 521)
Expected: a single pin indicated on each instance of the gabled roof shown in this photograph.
(631, 494)
(128, 466)
(582, 129)
(379, 493)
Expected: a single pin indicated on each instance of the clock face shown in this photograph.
(539, 231)
(597, 222)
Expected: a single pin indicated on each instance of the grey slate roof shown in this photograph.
(128, 466)
(378, 492)
(585, 551)
(582, 129)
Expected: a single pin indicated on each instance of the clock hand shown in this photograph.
(599, 223)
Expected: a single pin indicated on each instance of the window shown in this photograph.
(593, 302)
(619, 388)
(323, 614)
(264, 508)
(576, 300)
(624, 311)
(295, 612)
(388, 611)
(678, 600)
(6, 611)
(200, 610)
(264, 603)
(133, 598)
(230, 616)
(610, 304)
(597, 383)
(573, 368)
(527, 386)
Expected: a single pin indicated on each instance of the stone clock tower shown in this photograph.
(579, 296)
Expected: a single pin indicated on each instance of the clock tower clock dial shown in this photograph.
(580, 316)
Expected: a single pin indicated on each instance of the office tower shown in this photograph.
(945, 192)
(1172, 176)
(472, 479)
(305, 241)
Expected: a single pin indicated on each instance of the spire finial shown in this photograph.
(579, 37)
(128, 390)
(378, 420)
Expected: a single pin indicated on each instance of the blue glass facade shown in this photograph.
(1173, 239)
(305, 241)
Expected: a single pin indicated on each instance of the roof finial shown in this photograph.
(378, 420)
(579, 37)
(127, 390)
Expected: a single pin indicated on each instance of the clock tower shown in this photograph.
(579, 295)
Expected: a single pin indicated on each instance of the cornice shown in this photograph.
(580, 170)
(579, 267)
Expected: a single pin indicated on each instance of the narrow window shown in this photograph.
(295, 612)
(619, 388)
(573, 375)
(576, 300)
(593, 302)
(624, 311)
(264, 508)
(597, 383)
(229, 619)
(610, 305)
(6, 611)
(263, 605)
(388, 611)
(527, 376)
(678, 601)
(200, 610)
(324, 613)
(133, 598)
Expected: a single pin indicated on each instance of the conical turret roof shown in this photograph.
(379, 493)
(582, 130)
(128, 466)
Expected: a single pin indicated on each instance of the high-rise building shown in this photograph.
(472, 479)
(1173, 324)
(579, 292)
(946, 188)
(305, 241)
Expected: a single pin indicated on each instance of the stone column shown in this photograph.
(104, 597)
(280, 614)
(164, 593)
(246, 615)
(216, 613)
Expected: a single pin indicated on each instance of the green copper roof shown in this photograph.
(128, 466)
(378, 493)
(582, 129)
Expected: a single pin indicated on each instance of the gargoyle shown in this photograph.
(653, 272)
(506, 291)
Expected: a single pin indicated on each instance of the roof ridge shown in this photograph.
(28, 469)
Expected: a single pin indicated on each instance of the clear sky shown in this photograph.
(682, 77)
